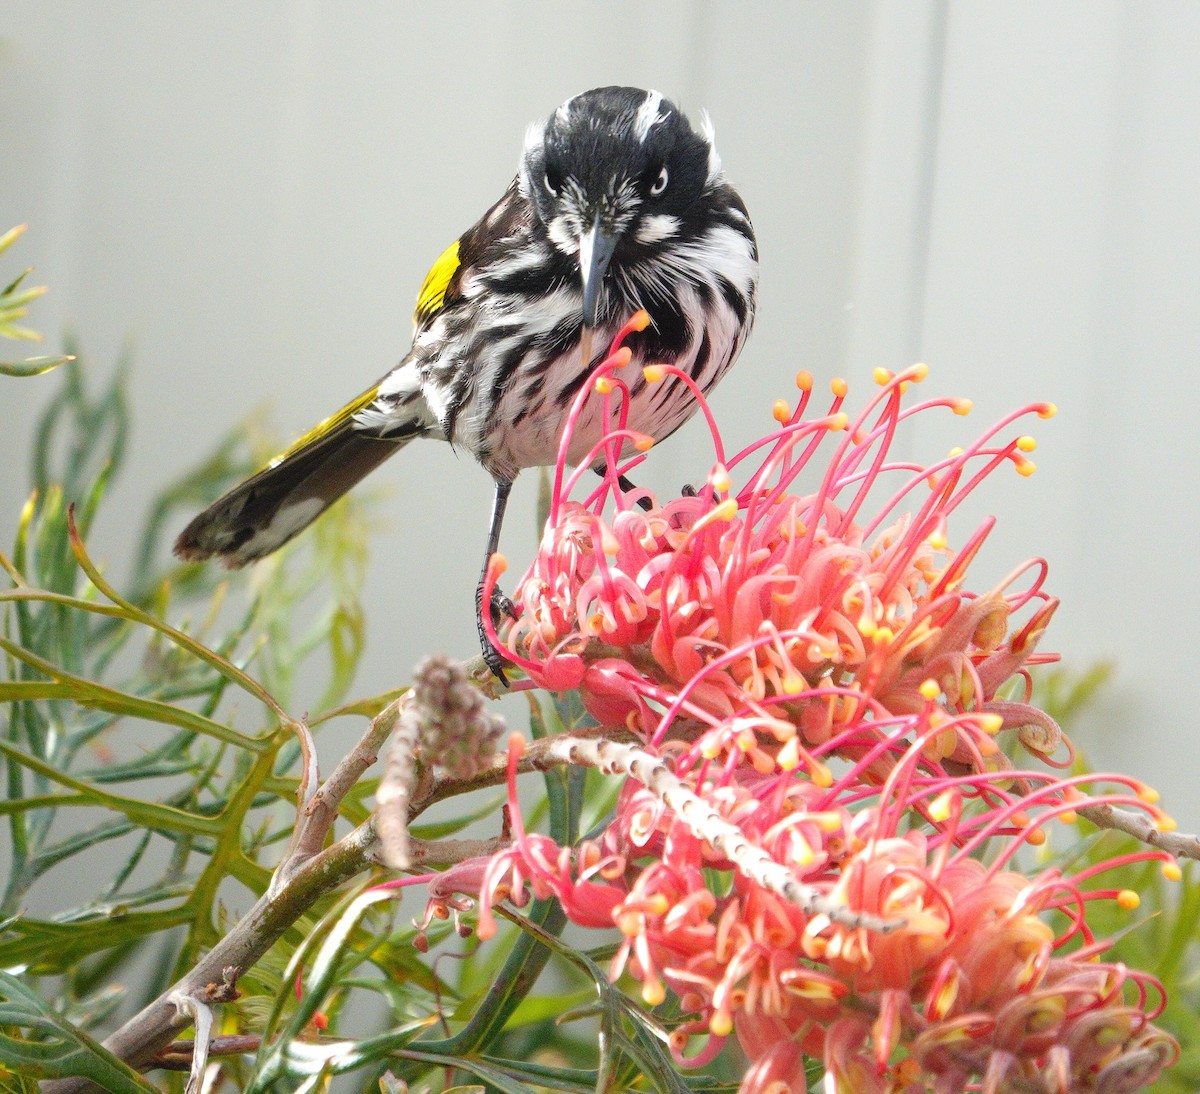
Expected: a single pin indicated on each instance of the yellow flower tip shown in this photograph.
(1171, 871)
(954, 453)
(1025, 467)
(1046, 410)
(941, 809)
(820, 775)
(793, 683)
(930, 690)
(604, 385)
(788, 757)
(780, 411)
(710, 748)
(1148, 795)
(882, 375)
(801, 854)
(497, 564)
(761, 762)
(721, 1024)
(1026, 443)
(725, 510)
(654, 373)
(940, 1004)
(937, 540)
(719, 479)
(990, 723)
(1128, 899)
(827, 821)
(918, 372)
(1035, 838)
(961, 407)
(867, 626)
(609, 543)
(837, 422)
(804, 380)
(839, 387)
(884, 635)
(639, 320)
(987, 747)
(658, 904)
(1165, 823)
(653, 993)
(1069, 816)
(628, 924)
(643, 442)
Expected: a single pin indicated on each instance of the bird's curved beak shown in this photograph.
(596, 248)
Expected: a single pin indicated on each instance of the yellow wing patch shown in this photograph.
(432, 296)
(323, 429)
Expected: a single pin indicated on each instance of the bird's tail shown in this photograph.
(269, 508)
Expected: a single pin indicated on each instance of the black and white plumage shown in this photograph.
(618, 205)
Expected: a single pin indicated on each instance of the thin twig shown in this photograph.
(316, 816)
(147, 1032)
(615, 757)
(1141, 827)
(144, 1035)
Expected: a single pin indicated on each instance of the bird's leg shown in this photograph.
(499, 605)
(627, 487)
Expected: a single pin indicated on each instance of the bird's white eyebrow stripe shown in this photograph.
(648, 115)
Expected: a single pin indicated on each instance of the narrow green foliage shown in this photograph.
(14, 305)
(146, 746)
(37, 1043)
(130, 753)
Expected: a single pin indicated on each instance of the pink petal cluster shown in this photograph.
(803, 652)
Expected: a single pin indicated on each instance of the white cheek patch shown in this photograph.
(657, 227)
(564, 233)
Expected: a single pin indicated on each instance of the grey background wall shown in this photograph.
(248, 195)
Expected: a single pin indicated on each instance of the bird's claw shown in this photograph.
(500, 607)
(690, 491)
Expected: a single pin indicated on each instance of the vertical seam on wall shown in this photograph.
(930, 137)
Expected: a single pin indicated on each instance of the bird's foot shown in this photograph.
(628, 487)
(500, 607)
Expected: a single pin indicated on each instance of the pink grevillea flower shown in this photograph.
(772, 623)
(798, 652)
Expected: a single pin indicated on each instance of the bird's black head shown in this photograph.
(612, 171)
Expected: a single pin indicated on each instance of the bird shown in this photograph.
(619, 204)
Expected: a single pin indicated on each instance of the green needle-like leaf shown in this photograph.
(56, 1049)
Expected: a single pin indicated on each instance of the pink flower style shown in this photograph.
(815, 672)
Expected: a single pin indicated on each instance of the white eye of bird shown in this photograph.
(553, 185)
(660, 183)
